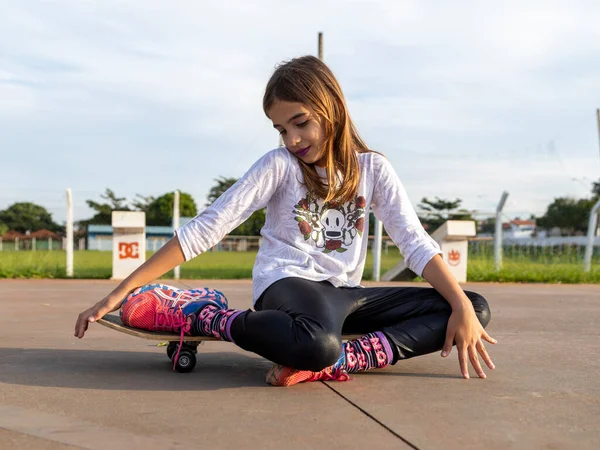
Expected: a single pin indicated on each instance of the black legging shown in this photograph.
(299, 323)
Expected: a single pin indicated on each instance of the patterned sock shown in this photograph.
(216, 322)
(371, 351)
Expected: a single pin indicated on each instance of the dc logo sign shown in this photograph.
(129, 250)
(454, 258)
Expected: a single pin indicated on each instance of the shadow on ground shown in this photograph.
(117, 370)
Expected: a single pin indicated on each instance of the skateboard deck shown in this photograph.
(113, 321)
(187, 354)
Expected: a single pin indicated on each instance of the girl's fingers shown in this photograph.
(463, 360)
(90, 315)
(484, 355)
(475, 361)
(81, 325)
(488, 338)
(447, 348)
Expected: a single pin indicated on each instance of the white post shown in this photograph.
(69, 233)
(128, 242)
(16, 244)
(177, 270)
(589, 248)
(33, 244)
(377, 250)
(498, 234)
(598, 119)
(49, 244)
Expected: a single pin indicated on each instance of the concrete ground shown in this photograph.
(111, 390)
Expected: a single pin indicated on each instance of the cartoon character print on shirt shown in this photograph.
(330, 226)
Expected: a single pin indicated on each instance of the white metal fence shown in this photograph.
(567, 249)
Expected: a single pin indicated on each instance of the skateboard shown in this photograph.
(189, 348)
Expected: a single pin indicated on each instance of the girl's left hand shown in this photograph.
(465, 330)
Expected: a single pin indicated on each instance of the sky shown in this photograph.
(467, 99)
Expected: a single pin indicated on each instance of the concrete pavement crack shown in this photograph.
(369, 415)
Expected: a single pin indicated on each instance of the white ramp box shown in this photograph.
(129, 242)
(452, 238)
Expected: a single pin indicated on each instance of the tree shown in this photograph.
(28, 216)
(104, 211)
(159, 211)
(3, 229)
(596, 189)
(216, 191)
(254, 223)
(487, 226)
(141, 203)
(440, 210)
(567, 213)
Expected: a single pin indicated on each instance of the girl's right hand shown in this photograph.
(170, 255)
(99, 310)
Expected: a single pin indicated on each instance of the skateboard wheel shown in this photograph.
(186, 361)
(171, 349)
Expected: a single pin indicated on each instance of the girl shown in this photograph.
(318, 190)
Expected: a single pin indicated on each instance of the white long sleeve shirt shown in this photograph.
(304, 237)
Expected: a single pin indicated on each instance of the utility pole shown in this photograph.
(321, 46)
(598, 119)
(498, 233)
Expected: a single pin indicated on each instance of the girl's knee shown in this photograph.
(481, 306)
(321, 351)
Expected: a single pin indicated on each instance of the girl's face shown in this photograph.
(300, 129)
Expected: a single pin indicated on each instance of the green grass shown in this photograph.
(32, 265)
(238, 265)
(98, 265)
(531, 272)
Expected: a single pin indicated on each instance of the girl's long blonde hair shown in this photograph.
(309, 81)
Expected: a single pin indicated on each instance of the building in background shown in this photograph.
(519, 229)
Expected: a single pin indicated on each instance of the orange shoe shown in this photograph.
(279, 375)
